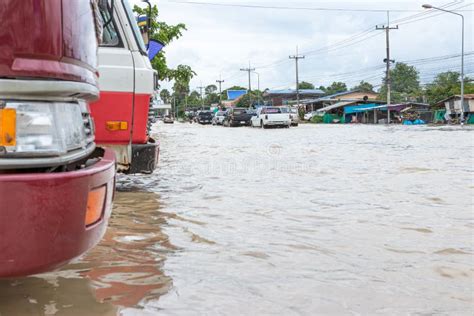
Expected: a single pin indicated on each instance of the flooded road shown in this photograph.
(336, 220)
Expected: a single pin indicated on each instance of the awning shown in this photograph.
(332, 107)
(371, 107)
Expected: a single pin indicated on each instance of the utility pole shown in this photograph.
(249, 70)
(202, 100)
(220, 82)
(258, 87)
(297, 58)
(388, 61)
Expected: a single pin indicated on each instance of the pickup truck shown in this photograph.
(204, 117)
(271, 116)
(237, 117)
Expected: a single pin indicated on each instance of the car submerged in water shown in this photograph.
(204, 117)
(269, 116)
(168, 119)
(219, 118)
(238, 117)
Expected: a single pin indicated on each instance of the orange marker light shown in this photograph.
(7, 127)
(95, 205)
(116, 126)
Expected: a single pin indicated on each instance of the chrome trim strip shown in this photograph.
(45, 162)
(44, 90)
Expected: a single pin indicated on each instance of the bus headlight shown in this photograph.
(41, 129)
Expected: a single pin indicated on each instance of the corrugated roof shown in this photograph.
(334, 106)
(293, 91)
(235, 94)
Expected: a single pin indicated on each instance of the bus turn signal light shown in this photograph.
(116, 126)
(7, 127)
(95, 205)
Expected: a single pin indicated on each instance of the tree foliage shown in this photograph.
(445, 85)
(405, 83)
(305, 86)
(211, 89)
(249, 100)
(364, 86)
(165, 95)
(164, 33)
(335, 87)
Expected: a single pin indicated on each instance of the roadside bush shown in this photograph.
(316, 119)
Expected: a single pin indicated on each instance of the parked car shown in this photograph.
(271, 116)
(218, 118)
(204, 117)
(295, 117)
(237, 117)
(168, 119)
(308, 116)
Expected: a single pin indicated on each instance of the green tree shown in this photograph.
(305, 85)
(364, 86)
(405, 83)
(194, 99)
(211, 89)
(164, 33)
(336, 87)
(183, 76)
(445, 85)
(165, 95)
(244, 101)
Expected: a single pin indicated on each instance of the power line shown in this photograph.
(254, 6)
(363, 35)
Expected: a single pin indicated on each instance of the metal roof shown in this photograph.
(293, 91)
(334, 106)
(235, 94)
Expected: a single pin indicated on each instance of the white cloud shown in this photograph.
(221, 40)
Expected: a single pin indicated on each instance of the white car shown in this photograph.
(218, 118)
(271, 116)
(295, 117)
(308, 116)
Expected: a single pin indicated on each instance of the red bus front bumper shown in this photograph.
(42, 217)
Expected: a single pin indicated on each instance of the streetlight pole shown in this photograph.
(429, 6)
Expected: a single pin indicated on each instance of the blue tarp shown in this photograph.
(235, 94)
(415, 122)
(362, 108)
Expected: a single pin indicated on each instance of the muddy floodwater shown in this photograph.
(314, 220)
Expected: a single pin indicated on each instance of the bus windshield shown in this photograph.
(136, 30)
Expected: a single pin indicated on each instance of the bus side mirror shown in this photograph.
(147, 23)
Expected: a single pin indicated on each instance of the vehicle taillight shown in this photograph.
(95, 205)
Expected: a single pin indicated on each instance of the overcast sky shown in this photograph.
(221, 40)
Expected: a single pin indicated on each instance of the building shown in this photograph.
(346, 96)
(450, 108)
(286, 96)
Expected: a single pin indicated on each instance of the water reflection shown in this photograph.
(124, 270)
